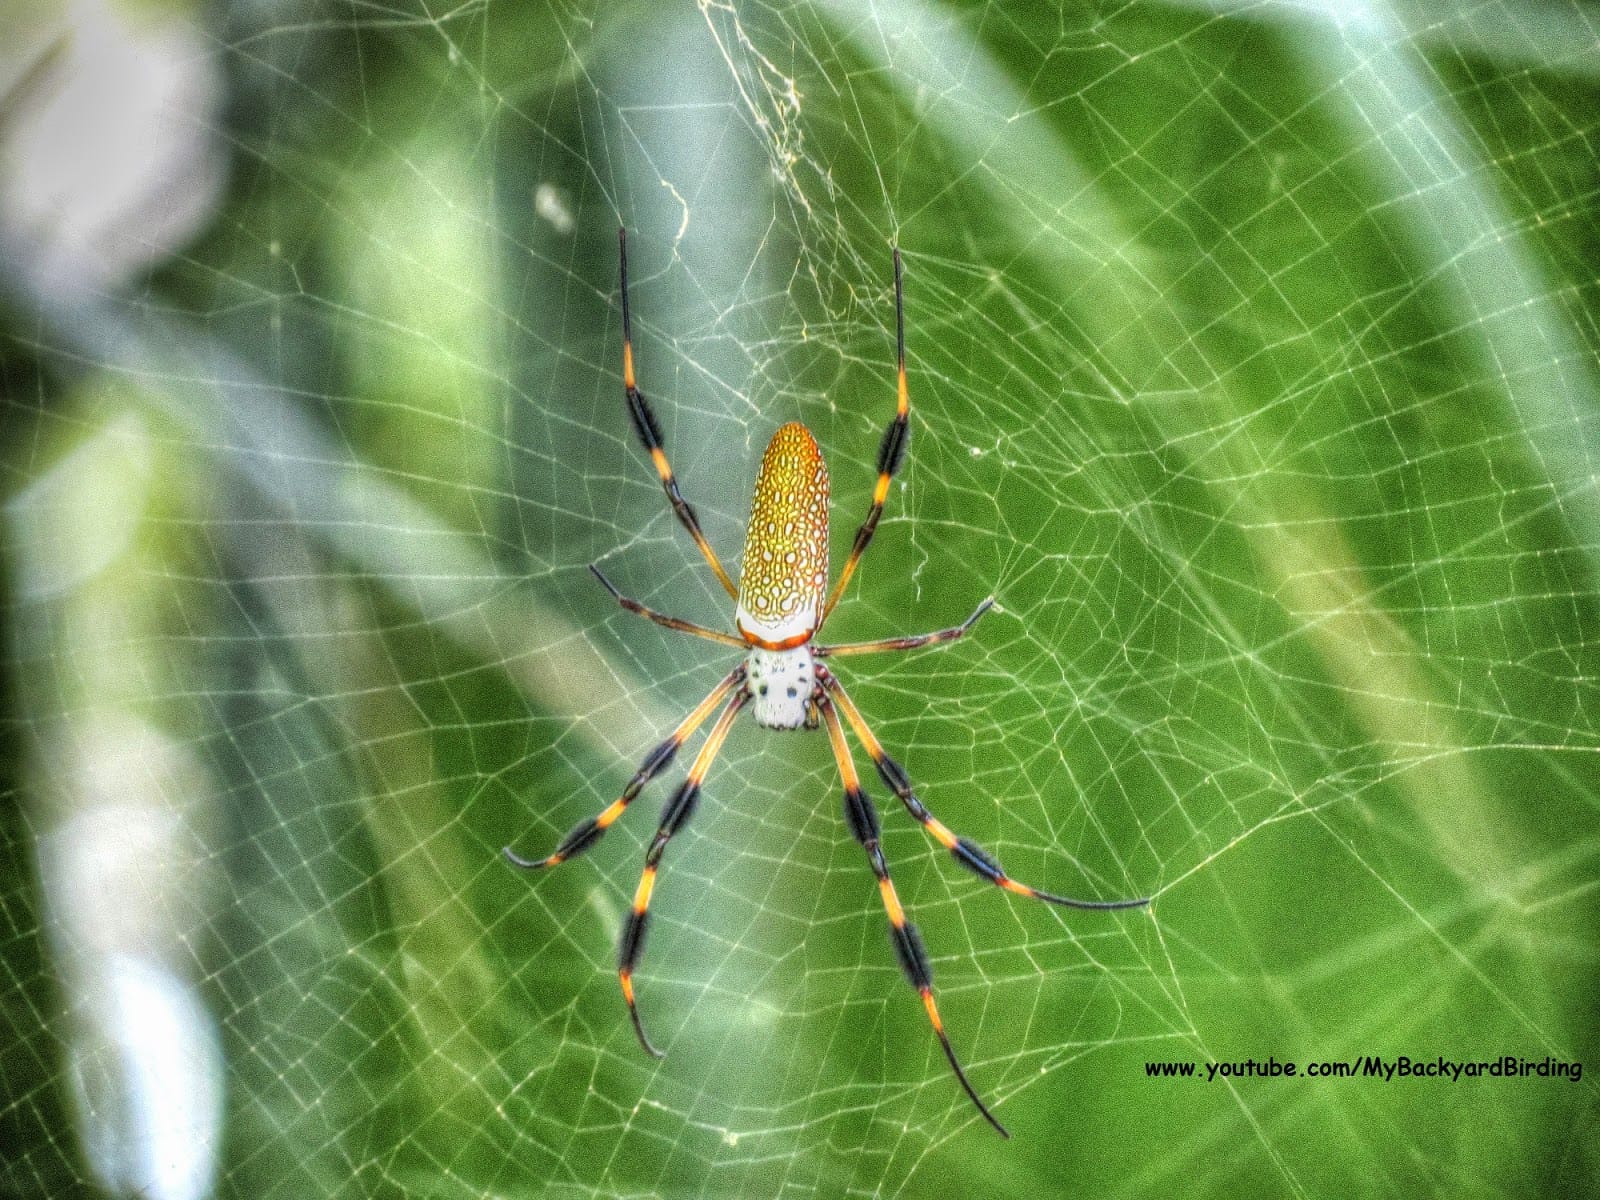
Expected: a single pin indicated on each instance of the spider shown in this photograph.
(782, 676)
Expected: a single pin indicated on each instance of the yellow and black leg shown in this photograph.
(644, 420)
(891, 451)
(682, 626)
(587, 833)
(965, 851)
(862, 818)
(937, 638)
(678, 811)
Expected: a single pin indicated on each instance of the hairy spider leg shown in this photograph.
(862, 818)
(586, 833)
(965, 851)
(644, 420)
(891, 451)
(677, 623)
(936, 638)
(678, 811)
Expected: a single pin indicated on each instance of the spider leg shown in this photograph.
(587, 833)
(966, 852)
(682, 626)
(678, 811)
(891, 451)
(863, 820)
(644, 420)
(907, 643)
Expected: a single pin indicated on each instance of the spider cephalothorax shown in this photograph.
(780, 610)
(780, 683)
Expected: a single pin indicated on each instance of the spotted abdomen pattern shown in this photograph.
(785, 573)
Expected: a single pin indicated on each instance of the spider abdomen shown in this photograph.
(784, 576)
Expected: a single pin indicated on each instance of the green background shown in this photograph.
(1253, 358)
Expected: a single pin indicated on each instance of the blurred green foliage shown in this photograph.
(1254, 369)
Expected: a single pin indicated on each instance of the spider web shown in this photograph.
(1253, 371)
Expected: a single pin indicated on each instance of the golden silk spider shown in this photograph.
(780, 609)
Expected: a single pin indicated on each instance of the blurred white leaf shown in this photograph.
(109, 153)
(150, 1083)
(81, 515)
